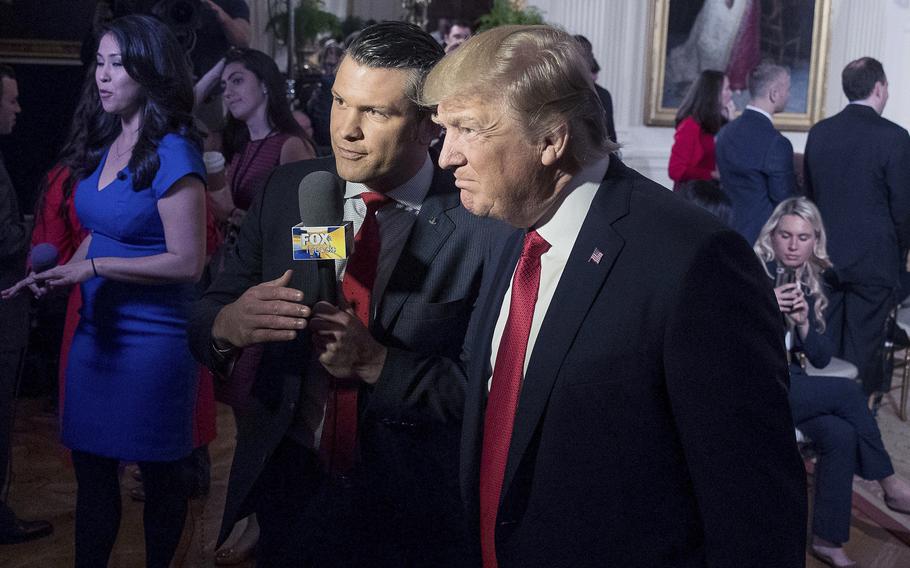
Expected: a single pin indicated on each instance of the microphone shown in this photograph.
(322, 235)
(44, 257)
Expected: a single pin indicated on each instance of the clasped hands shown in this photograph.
(792, 303)
(57, 277)
(272, 312)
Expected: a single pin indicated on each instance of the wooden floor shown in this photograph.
(44, 488)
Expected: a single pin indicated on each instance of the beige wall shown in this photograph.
(619, 31)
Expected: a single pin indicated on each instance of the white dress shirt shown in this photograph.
(561, 231)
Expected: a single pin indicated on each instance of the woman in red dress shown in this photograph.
(707, 107)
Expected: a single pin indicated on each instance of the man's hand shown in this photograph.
(266, 312)
(346, 348)
(236, 30)
(219, 11)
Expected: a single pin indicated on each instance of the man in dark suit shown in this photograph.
(14, 233)
(627, 384)
(857, 170)
(755, 161)
(604, 95)
(395, 353)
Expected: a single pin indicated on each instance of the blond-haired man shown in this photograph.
(627, 391)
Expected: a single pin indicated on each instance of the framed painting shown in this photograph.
(49, 31)
(733, 36)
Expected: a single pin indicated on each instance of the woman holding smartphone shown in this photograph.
(831, 411)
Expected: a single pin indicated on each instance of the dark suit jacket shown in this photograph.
(652, 427)
(410, 420)
(857, 168)
(756, 170)
(14, 236)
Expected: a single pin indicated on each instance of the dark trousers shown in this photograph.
(9, 372)
(167, 486)
(308, 519)
(832, 411)
(303, 515)
(856, 326)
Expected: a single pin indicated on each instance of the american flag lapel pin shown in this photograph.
(596, 256)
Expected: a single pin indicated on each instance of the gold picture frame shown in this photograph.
(790, 34)
(28, 49)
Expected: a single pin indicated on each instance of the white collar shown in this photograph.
(561, 230)
(760, 111)
(410, 194)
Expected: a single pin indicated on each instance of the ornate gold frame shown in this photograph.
(39, 49)
(658, 115)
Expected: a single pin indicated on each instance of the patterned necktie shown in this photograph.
(339, 432)
(502, 402)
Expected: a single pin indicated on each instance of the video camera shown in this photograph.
(183, 17)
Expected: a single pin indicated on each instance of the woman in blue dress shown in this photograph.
(131, 382)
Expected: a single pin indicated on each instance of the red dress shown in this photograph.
(63, 230)
(692, 156)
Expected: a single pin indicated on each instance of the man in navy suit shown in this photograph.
(627, 384)
(755, 160)
(397, 505)
(858, 173)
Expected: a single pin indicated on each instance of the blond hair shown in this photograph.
(541, 76)
(810, 273)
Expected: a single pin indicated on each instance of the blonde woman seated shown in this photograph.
(831, 411)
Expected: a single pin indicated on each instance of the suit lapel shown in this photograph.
(579, 286)
(430, 231)
(479, 371)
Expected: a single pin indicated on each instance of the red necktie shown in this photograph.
(339, 432)
(502, 402)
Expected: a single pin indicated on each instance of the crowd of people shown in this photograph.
(533, 356)
(852, 202)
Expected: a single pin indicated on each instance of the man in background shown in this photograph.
(857, 170)
(754, 159)
(14, 238)
(459, 32)
(604, 95)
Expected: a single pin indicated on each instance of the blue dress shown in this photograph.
(131, 381)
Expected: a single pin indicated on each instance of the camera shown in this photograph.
(178, 14)
(183, 17)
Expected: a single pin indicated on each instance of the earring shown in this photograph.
(265, 91)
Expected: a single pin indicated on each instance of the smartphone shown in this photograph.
(784, 276)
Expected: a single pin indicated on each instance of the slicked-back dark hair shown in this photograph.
(397, 45)
(152, 57)
(859, 78)
(702, 102)
(6, 71)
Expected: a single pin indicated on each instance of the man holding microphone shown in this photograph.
(356, 408)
